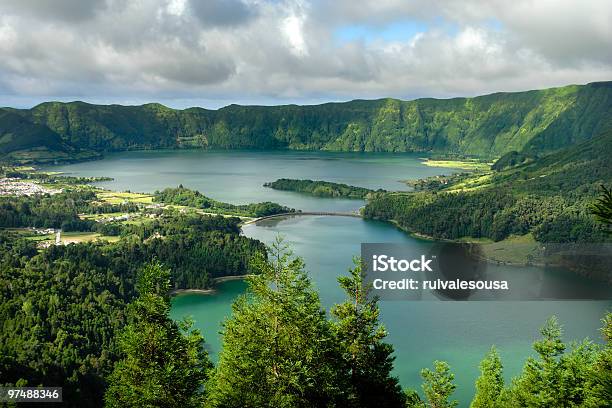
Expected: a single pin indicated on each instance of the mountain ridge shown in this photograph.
(78, 101)
(535, 121)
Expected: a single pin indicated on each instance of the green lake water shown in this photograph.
(421, 332)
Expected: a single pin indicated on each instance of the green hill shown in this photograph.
(23, 141)
(549, 198)
(491, 125)
(18, 133)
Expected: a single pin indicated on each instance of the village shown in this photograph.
(146, 209)
(15, 187)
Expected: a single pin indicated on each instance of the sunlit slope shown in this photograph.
(549, 198)
(490, 125)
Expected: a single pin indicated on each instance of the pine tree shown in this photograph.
(600, 378)
(602, 208)
(413, 400)
(278, 347)
(164, 363)
(490, 384)
(554, 379)
(438, 385)
(368, 359)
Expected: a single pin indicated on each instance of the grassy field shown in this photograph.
(75, 237)
(521, 250)
(46, 237)
(458, 164)
(472, 183)
(137, 221)
(114, 197)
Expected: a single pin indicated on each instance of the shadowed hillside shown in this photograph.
(18, 133)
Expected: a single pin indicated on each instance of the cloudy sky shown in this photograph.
(215, 52)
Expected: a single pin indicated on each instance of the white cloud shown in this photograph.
(286, 50)
(292, 28)
(176, 7)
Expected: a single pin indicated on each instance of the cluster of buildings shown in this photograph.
(46, 244)
(122, 217)
(15, 187)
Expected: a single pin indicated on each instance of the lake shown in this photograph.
(421, 332)
(237, 177)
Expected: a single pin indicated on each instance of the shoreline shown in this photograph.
(488, 260)
(210, 291)
(175, 292)
(466, 164)
(228, 278)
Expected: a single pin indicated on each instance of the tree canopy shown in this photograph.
(163, 362)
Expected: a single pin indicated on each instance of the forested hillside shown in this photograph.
(62, 307)
(16, 132)
(20, 136)
(490, 125)
(550, 197)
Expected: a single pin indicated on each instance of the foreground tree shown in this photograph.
(556, 378)
(164, 364)
(367, 358)
(413, 400)
(438, 385)
(278, 348)
(602, 208)
(490, 384)
(599, 384)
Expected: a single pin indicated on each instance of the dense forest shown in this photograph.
(321, 188)
(192, 198)
(60, 211)
(61, 307)
(198, 247)
(550, 197)
(490, 125)
(96, 321)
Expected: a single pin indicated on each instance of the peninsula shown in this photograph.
(321, 188)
